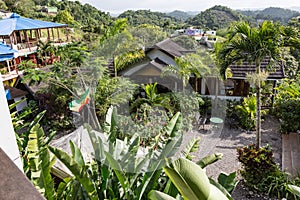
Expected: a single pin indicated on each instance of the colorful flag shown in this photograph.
(78, 104)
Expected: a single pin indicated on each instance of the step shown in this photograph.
(291, 153)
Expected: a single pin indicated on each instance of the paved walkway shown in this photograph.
(291, 153)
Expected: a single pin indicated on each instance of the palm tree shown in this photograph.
(253, 45)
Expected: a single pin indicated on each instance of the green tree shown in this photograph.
(186, 41)
(65, 17)
(3, 5)
(148, 34)
(253, 45)
(122, 48)
(24, 8)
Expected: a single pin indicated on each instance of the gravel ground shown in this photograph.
(225, 140)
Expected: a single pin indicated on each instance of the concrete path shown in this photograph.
(291, 153)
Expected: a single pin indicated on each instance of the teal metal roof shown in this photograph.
(16, 23)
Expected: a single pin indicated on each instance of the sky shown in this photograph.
(119, 6)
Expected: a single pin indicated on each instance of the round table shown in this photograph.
(216, 120)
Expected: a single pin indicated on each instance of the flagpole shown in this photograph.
(8, 142)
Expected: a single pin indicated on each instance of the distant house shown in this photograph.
(178, 32)
(158, 56)
(49, 10)
(211, 32)
(193, 32)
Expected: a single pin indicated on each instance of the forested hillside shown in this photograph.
(276, 14)
(140, 17)
(215, 18)
(181, 15)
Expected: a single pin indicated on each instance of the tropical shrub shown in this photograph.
(165, 105)
(247, 113)
(115, 91)
(277, 185)
(287, 105)
(257, 163)
(262, 173)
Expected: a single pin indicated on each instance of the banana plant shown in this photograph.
(39, 162)
(125, 161)
(191, 181)
(118, 170)
(78, 167)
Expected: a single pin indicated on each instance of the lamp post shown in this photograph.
(8, 142)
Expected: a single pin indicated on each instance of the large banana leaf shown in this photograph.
(157, 195)
(76, 168)
(210, 159)
(173, 127)
(192, 182)
(111, 124)
(24, 137)
(119, 173)
(39, 163)
(191, 147)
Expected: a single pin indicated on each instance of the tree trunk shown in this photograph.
(258, 116)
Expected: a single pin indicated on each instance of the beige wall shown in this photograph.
(8, 141)
(150, 71)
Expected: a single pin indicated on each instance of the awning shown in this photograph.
(6, 52)
(6, 57)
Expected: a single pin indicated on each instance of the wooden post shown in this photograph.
(203, 84)
(37, 35)
(11, 45)
(21, 39)
(67, 34)
(40, 33)
(8, 65)
(52, 34)
(15, 38)
(48, 32)
(27, 40)
(57, 29)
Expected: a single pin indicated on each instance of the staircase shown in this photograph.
(111, 67)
